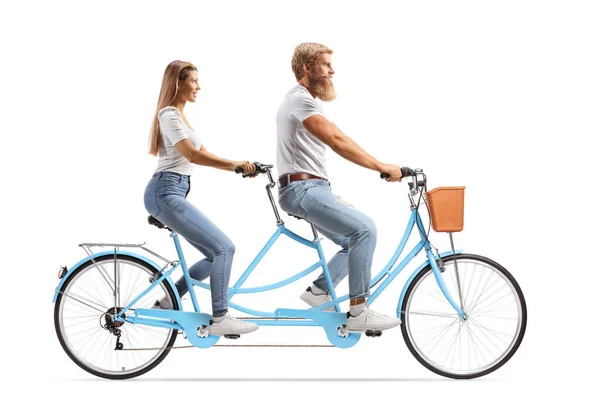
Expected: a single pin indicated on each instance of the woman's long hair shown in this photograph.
(175, 72)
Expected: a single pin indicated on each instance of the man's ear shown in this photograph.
(306, 69)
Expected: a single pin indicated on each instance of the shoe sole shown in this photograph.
(233, 333)
(373, 328)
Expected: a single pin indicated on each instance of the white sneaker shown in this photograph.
(369, 320)
(229, 325)
(314, 300)
(163, 304)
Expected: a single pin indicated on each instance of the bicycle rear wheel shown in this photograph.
(83, 318)
(496, 317)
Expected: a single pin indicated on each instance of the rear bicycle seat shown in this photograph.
(157, 223)
(297, 217)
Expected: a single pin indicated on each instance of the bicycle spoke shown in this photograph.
(439, 335)
(480, 292)
(498, 308)
(470, 281)
(475, 346)
(450, 346)
(489, 292)
(494, 332)
(483, 315)
(97, 307)
(437, 328)
(477, 338)
(445, 315)
(438, 296)
(106, 277)
(479, 306)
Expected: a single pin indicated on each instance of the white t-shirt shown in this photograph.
(174, 130)
(297, 149)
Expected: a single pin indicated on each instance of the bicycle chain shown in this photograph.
(241, 345)
(234, 345)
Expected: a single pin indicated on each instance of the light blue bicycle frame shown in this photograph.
(382, 280)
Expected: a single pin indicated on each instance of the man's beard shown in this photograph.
(323, 87)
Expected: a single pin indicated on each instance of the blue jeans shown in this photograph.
(337, 220)
(165, 200)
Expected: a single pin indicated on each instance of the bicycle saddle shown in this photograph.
(295, 216)
(157, 223)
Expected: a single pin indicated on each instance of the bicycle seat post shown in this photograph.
(314, 231)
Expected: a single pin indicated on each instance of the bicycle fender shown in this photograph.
(414, 274)
(125, 253)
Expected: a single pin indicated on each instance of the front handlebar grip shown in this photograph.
(405, 172)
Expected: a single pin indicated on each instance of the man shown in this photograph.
(303, 133)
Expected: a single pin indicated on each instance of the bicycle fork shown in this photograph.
(440, 280)
(437, 272)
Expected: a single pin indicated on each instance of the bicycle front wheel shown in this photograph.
(490, 333)
(83, 313)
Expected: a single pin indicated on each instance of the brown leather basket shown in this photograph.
(446, 204)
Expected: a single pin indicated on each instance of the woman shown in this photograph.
(178, 148)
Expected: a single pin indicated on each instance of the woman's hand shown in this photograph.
(246, 166)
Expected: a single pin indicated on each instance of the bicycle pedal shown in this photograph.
(231, 336)
(373, 333)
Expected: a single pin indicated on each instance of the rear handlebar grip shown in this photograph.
(258, 169)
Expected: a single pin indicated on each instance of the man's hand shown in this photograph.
(394, 172)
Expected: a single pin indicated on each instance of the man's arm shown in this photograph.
(332, 136)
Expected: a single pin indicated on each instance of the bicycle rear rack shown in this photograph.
(116, 246)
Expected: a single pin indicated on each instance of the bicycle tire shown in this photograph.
(478, 328)
(75, 310)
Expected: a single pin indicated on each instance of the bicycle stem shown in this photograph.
(270, 185)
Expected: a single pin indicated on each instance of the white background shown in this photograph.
(501, 97)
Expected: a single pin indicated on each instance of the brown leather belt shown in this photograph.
(283, 179)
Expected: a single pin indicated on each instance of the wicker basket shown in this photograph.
(446, 205)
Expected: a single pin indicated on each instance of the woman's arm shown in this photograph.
(206, 158)
(172, 126)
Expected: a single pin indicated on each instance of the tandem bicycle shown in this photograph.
(463, 315)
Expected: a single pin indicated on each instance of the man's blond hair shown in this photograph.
(306, 53)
